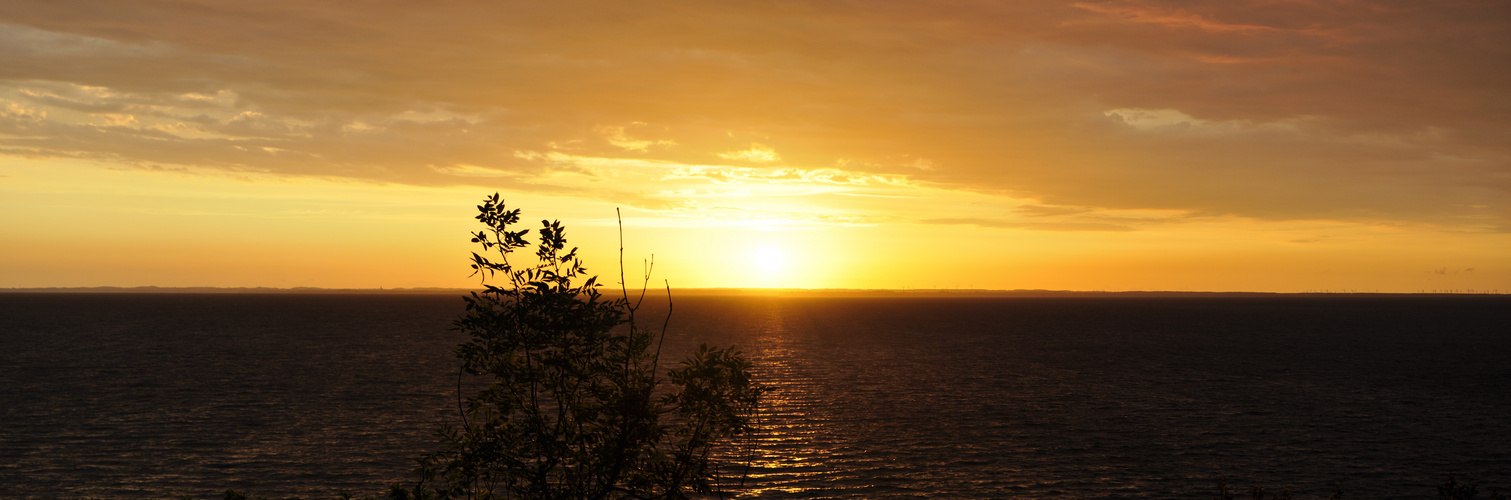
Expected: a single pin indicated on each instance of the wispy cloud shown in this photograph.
(1170, 17)
(1280, 111)
(757, 153)
(786, 175)
(1042, 226)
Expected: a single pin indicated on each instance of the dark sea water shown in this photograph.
(163, 396)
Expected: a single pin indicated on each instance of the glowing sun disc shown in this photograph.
(770, 259)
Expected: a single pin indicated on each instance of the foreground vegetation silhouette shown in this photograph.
(577, 407)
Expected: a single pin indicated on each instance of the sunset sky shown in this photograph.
(1123, 145)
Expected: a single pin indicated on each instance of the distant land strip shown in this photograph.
(780, 292)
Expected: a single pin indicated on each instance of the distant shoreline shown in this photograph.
(771, 292)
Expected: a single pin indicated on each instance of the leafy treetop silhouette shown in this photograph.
(577, 408)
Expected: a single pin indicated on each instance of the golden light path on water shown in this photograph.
(791, 420)
(787, 449)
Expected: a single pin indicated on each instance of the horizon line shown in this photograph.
(737, 291)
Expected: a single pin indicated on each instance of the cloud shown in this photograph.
(1039, 226)
(767, 218)
(617, 137)
(1171, 120)
(757, 153)
(1382, 114)
(1043, 211)
(13, 111)
(1134, 12)
(785, 175)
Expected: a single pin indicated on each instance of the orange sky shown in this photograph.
(1124, 145)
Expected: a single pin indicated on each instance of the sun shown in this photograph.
(770, 260)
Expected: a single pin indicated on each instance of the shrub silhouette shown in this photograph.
(576, 408)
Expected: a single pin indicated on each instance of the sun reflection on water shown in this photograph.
(791, 448)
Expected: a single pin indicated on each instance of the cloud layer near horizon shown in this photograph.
(1282, 110)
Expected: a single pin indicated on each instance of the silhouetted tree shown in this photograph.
(576, 408)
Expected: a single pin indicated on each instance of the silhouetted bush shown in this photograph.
(577, 407)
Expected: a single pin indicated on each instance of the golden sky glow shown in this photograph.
(1123, 145)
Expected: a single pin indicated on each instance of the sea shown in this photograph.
(1090, 397)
